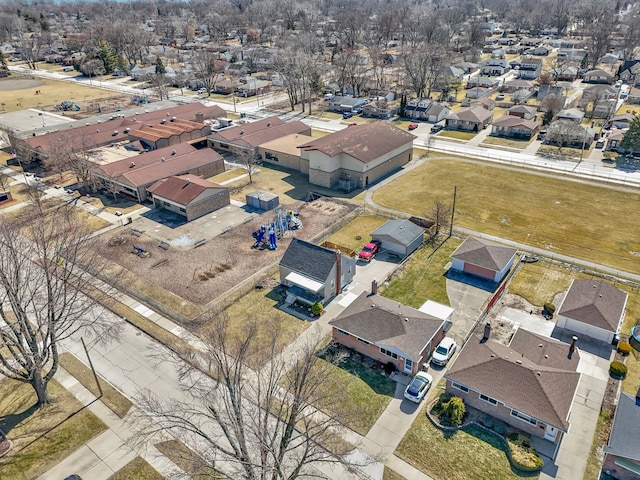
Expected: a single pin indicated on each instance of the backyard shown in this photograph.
(558, 215)
(357, 232)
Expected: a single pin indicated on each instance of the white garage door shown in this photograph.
(589, 330)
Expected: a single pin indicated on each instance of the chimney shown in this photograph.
(374, 287)
(338, 272)
(572, 347)
(199, 117)
(487, 331)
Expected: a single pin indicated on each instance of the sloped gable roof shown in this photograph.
(404, 231)
(594, 302)
(308, 259)
(182, 189)
(365, 143)
(383, 321)
(471, 114)
(624, 440)
(511, 121)
(512, 375)
(484, 254)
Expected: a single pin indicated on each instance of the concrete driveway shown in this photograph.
(468, 301)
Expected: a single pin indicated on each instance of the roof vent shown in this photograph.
(133, 164)
(174, 153)
(493, 355)
(115, 133)
(268, 124)
(539, 374)
(163, 121)
(406, 319)
(546, 356)
(173, 119)
(162, 159)
(519, 362)
(127, 130)
(540, 345)
(595, 286)
(241, 132)
(97, 130)
(600, 295)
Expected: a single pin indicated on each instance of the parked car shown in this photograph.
(418, 387)
(444, 351)
(500, 96)
(202, 90)
(347, 115)
(600, 144)
(412, 126)
(369, 250)
(436, 128)
(532, 258)
(352, 124)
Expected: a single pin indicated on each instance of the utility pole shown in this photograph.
(453, 210)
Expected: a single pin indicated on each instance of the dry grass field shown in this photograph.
(590, 222)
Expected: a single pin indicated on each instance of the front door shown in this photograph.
(408, 366)
(550, 433)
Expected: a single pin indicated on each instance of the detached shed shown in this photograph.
(262, 200)
(401, 237)
(594, 308)
(483, 259)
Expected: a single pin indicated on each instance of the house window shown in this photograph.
(524, 417)
(388, 353)
(462, 388)
(224, 145)
(363, 341)
(344, 333)
(166, 204)
(183, 210)
(487, 399)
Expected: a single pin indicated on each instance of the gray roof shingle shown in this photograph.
(594, 302)
(403, 231)
(308, 259)
(484, 254)
(624, 440)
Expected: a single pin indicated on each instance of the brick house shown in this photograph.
(530, 68)
(622, 452)
(529, 383)
(471, 119)
(388, 331)
(598, 76)
(514, 127)
(189, 196)
(526, 112)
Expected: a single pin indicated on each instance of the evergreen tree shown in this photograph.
(160, 68)
(107, 55)
(631, 140)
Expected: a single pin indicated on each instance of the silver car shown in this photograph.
(418, 387)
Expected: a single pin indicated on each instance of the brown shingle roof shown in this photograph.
(511, 121)
(471, 114)
(594, 302)
(532, 375)
(255, 133)
(182, 189)
(363, 142)
(141, 160)
(484, 254)
(387, 322)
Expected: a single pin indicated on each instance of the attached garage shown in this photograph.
(593, 308)
(401, 237)
(483, 259)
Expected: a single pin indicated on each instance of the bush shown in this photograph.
(624, 348)
(317, 308)
(550, 307)
(523, 455)
(487, 421)
(618, 370)
(454, 411)
(500, 428)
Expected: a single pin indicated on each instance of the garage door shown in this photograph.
(589, 330)
(479, 271)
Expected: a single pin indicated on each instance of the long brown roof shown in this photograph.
(144, 159)
(471, 114)
(594, 302)
(513, 121)
(386, 322)
(483, 253)
(259, 132)
(165, 130)
(363, 142)
(99, 134)
(182, 189)
(533, 374)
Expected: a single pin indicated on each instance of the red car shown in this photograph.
(352, 124)
(413, 126)
(369, 250)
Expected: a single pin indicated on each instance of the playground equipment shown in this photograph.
(139, 99)
(267, 235)
(139, 251)
(65, 106)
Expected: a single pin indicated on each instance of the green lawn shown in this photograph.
(112, 398)
(364, 394)
(137, 469)
(582, 220)
(457, 134)
(357, 232)
(469, 454)
(391, 475)
(44, 437)
(422, 277)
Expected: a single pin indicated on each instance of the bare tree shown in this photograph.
(45, 259)
(72, 153)
(249, 159)
(440, 215)
(259, 424)
(551, 105)
(208, 68)
(566, 132)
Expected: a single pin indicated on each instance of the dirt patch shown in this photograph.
(202, 274)
(18, 84)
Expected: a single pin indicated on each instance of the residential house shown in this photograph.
(189, 196)
(594, 308)
(467, 67)
(573, 114)
(622, 451)
(629, 72)
(633, 97)
(346, 104)
(483, 259)
(132, 175)
(613, 140)
(498, 53)
(471, 119)
(517, 84)
(249, 136)
(565, 74)
(485, 102)
(572, 54)
(622, 120)
(597, 93)
(530, 68)
(546, 90)
(380, 109)
(540, 51)
(531, 41)
(388, 332)
(425, 109)
(474, 93)
(529, 383)
(526, 112)
(494, 67)
(357, 156)
(399, 237)
(514, 127)
(598, 76)
(482, 81)
(252, 86)
(313, 273)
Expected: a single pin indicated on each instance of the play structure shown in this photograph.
(139, 251)
(139, 99)
(65, 106)
(267, 235)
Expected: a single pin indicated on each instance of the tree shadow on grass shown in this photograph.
(10, 421)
